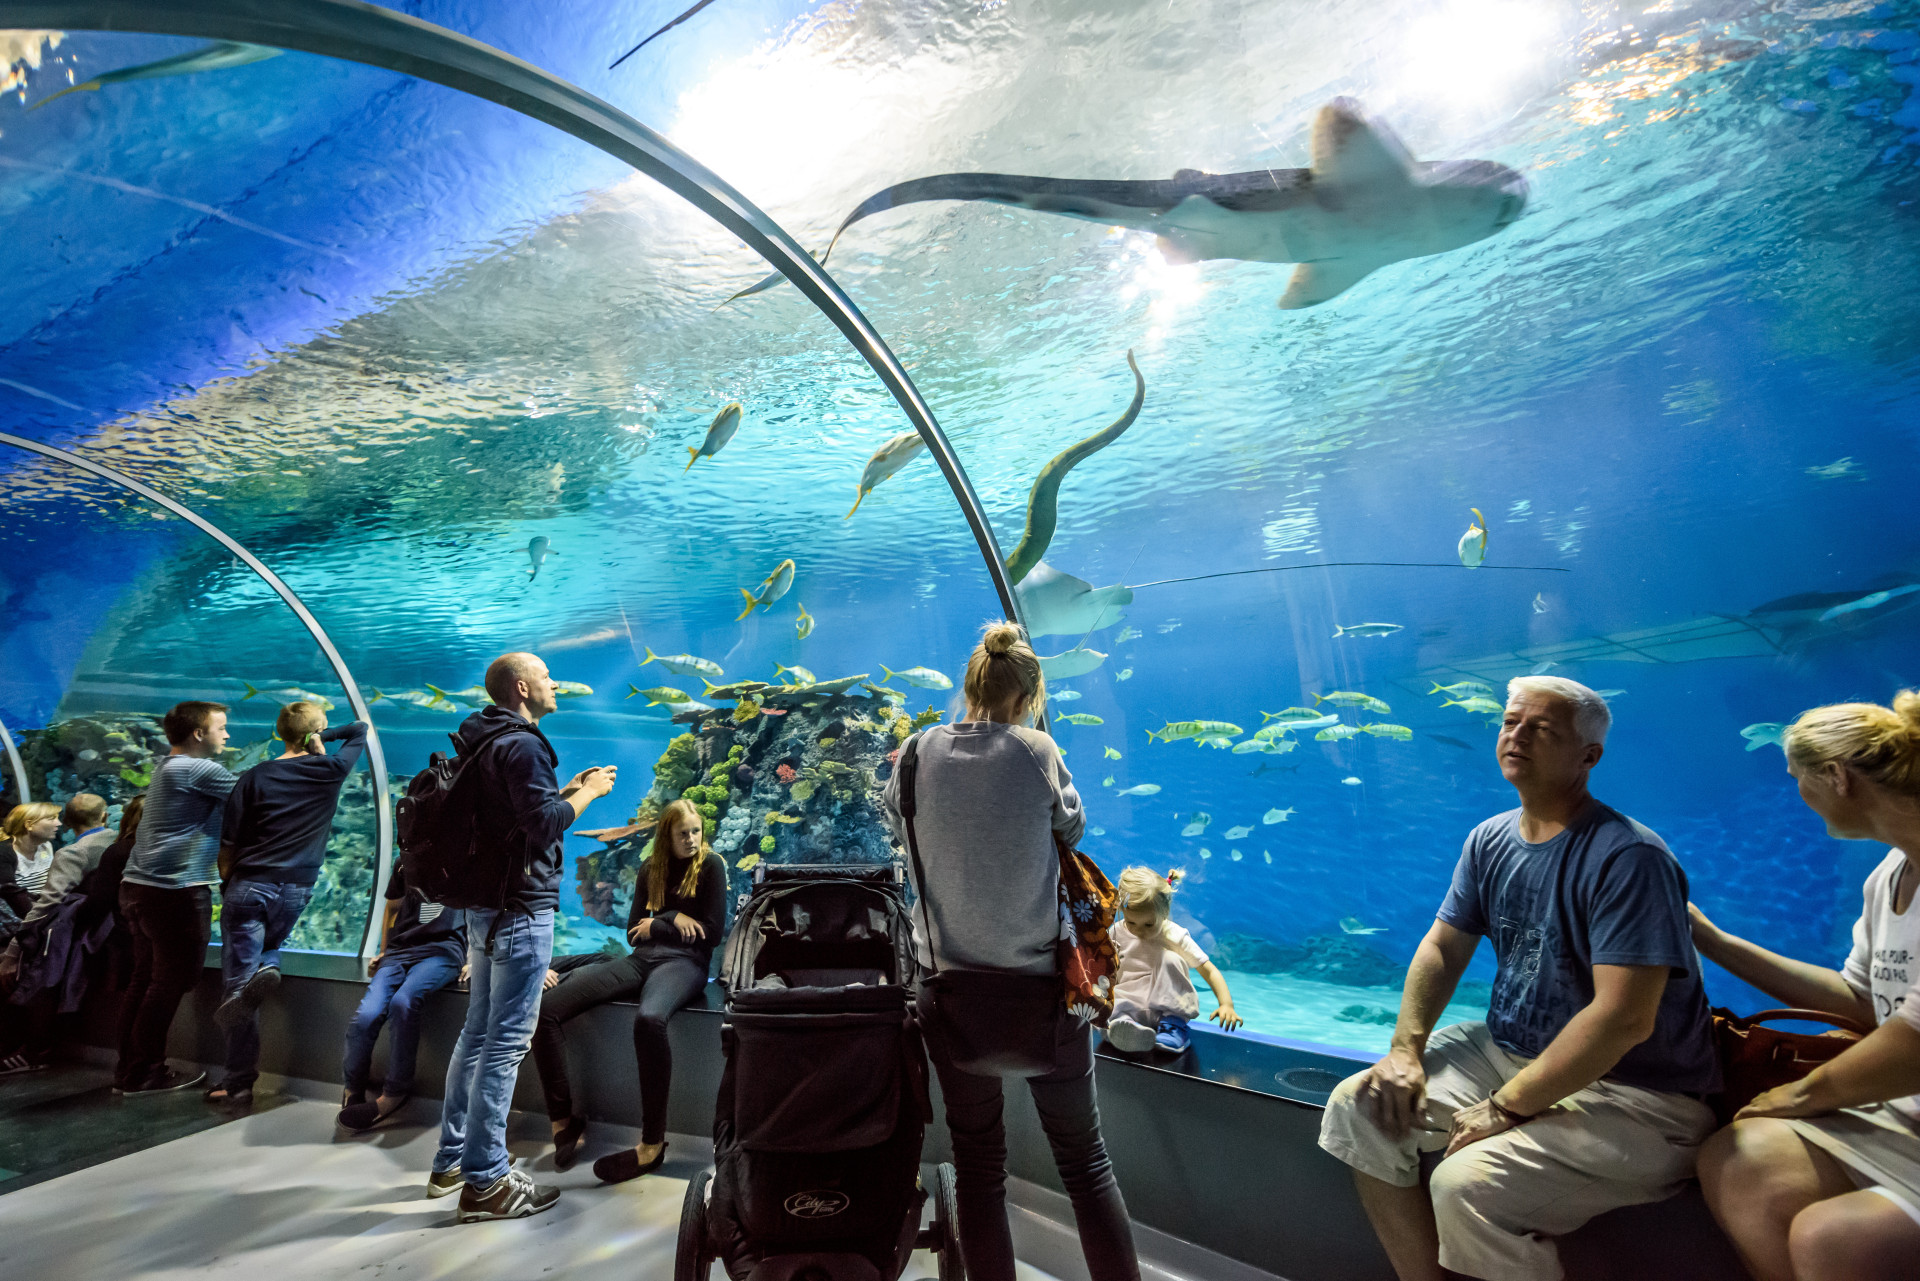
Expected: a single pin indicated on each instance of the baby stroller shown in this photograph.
(824, 1099)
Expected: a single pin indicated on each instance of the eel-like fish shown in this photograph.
(1364, 203)
(214, 57)
(1043, 503)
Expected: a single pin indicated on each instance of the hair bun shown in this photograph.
(1906, 705)
(1000, 638)
(1176, 876)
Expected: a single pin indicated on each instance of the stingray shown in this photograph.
(1057, 604)
(214, 57)
(1043, 503)
(1364, 203)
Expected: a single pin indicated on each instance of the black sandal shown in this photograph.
(625, 1164)
(566, 1144)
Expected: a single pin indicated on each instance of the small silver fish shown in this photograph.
(1197, 824)
(1079, 718)
(772, 588)
(924, 677)
(1539, 603)
(1276, 816)
(1124, 674)
(1350, 781)
(800, 674)
(1234, 855)
(1758, 736)
(683, 664)
(887, 460)
(1352, 925)
(803, 628)
(1062, 695)
(1367, 629)
(539, 548)
(1140, 789)
(1238, 833)
(1128, 633)
(1097, 831)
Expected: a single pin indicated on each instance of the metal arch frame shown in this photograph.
(19, 766)
(376, 756)
(366, 33)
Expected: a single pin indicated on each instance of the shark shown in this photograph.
(214, 57)
(1058, 604)
(1362, 204)
(1043, 502)
(887, 460)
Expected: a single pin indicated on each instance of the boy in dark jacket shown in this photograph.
(273, 841)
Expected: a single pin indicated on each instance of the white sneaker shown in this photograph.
(1127, 1036)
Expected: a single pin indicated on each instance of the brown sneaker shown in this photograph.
(439, 1185)
(511, 1196)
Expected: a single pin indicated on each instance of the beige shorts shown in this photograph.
(1499, 1202)
(1878, 1147)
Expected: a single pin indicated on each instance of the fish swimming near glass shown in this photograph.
(1367, 629)
(1399, 733)
(1276, 816)
(1364, 203)
(1124, 674)
(1478, 703)
(887, 460)
(1080, 718)
(1275, 746)
(1350, 781)
(213, 57)
(803, 628)
(472, 695)
(660, 695)
(921, 677)
(1238, 833)
(1298, 718)
(420, 698)
(539, 548)
(1462, 687)
(1197, 824)
(800, 674)
(1043, 501)
(1352, 698)
(1352, 925)
(1140, 789)
(1337, 733)
(719, 432)
(1473, 543)
(1173, 731)
(771, 589)
(684, 664)
(571, 689)
(1758, 736)
(1126, 634)
(1113, 755)
(290, 694)
(1062, 695)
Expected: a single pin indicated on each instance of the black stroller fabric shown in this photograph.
(824, 1101)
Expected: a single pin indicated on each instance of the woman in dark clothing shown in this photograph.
(991, 797)
(678, 915)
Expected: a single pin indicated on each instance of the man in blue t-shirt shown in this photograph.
(1583, 1091)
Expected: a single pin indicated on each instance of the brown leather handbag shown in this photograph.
(1755, 1058)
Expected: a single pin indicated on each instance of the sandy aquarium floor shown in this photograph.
(1306, 1010)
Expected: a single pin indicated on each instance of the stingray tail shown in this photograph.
(89, 85)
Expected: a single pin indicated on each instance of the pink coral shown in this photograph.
(784, 772)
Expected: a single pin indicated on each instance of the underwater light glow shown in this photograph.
(1474, 50)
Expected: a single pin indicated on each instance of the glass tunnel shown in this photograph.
(1624, 298)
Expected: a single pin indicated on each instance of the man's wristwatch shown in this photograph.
(1508, 1114)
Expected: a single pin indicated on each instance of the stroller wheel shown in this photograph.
(691, 1261)
(946, 1223)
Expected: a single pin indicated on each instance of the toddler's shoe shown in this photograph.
(1173, 1035)
(1128, 1035)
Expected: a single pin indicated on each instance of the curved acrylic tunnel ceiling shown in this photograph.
(378, 37)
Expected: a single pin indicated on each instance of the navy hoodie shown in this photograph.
(517, 802)
(280, 814)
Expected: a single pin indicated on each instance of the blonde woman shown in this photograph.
(1819, 1180)
(678, 917)
(28, 835)
(991, 794)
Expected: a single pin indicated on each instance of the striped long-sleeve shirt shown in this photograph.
(178, 844)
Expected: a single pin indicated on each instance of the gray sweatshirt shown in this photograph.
(990, 797)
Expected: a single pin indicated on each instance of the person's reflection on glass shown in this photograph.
(1583, 1090)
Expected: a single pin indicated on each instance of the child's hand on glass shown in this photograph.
(1226, 1018)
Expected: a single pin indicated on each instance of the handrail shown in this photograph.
(366, 33)
(376, 757)
(19, 767)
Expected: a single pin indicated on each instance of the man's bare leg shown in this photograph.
(1403, 1220)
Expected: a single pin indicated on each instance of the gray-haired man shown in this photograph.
(1583, 1089)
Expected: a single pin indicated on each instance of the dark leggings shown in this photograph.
(1065, 1100)
(663, 981)
(170, 930)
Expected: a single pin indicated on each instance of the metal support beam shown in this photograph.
(376, 756)
(19, 766)
(379, 37)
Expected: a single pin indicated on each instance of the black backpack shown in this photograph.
(436, 831)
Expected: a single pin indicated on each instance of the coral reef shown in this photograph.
(112, 756)
(786, 776)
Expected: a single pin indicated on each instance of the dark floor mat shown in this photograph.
(68, 1118)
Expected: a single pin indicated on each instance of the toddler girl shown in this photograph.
(1153, 997)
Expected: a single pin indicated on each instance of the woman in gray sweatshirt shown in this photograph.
(990, 794)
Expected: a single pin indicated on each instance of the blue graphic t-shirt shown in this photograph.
(1606, 891)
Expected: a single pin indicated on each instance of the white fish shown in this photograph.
(725, 423)
(1206, 853)
(1127, 634)
(803, 626)
(291, 694)
(1839, 469)
(684, 664)
(1237, 833)
(1098, 831)
(1220, 742)
(571, 689)
(1473, 543)
(1539, 603)
(539, 548)
(800, 674)
(1351, 925)
(1296, 720)
(1335, 733)
(1760, 735)
(1351, 782)
(1124, 674)
(1234, 855)
(1077, 661)
(1367, 629)
(1277, 815)
(1107, 781)
(1197, 824)
(419, 698)
(1057, 604)
(923, 677)
(1166, 627)
(1266, 856)
(887, 460)
(1872, 600)
(472, 695)
(1062, 695)
(772, 588)
(1140, 789)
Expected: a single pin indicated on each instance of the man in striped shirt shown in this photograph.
(166, 893)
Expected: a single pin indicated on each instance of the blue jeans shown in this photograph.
(399, 986)
(255, 919)
(503, 1001)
